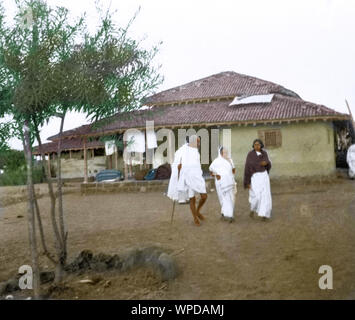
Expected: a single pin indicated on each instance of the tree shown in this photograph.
(49, 66)
(11, 159)
(5, 135)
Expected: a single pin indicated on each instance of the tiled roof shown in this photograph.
(224, 84)
(68, 144)
(281, 108)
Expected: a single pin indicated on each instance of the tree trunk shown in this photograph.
(57, 238)
(31, 212)
(40, 226)
(63, 232)
(85, 162)
(38, 214)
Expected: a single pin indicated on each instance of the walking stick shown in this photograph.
(174, 201)
(172, 213)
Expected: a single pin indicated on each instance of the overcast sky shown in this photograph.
(305, 45)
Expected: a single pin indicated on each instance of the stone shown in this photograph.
(98, 266)
(102, 257)
(132, 260)
(116, 262)
(2, 288)
(152, 257)
(46, 276)
(11, 286)
(81, 262)
(86, 281)
(167, 267)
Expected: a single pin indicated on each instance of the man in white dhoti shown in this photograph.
(256, 179)
(222, 168)
(350, 159)
(191, 179)
(173, 193)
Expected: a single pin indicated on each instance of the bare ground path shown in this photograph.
(311, 226)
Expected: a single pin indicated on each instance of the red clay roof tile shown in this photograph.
(68, 144)
(224, 84)
(281, 108)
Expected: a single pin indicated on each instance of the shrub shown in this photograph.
(16, 177)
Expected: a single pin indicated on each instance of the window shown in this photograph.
(99, 152)
(271, 138)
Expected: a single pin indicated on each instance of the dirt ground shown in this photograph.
(311, 225)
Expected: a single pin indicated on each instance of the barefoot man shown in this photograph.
(190, 177)
(173, 192)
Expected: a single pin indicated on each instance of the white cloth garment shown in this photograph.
(191, 179)
(260, 194)
(350, 159)
(136, 141)
(173, 192)
(110, 147)
(151, 139)
(226, 186)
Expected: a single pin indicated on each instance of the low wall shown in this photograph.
(16, 194)
(74, 168)
(132, 186)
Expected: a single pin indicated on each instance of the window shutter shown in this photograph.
(278, 139)
(270, 138)
(261, 135)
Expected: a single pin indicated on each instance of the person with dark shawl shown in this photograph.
(256, 179)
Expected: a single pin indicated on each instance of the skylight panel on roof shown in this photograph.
(260, 98)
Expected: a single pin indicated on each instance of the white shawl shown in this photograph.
(350, 159)
(191, 172)
(173, 192)
(223, 168)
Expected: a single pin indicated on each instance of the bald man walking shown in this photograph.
(191, 179)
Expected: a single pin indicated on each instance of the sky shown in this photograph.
(306, 45)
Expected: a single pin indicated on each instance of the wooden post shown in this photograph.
(110, 162)
(49, 164)
(125, 171)
(125, 160)
(351, 115)
(69, 154)
(130, 165)
(116, 158)
(85, 163)
(146, 151)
